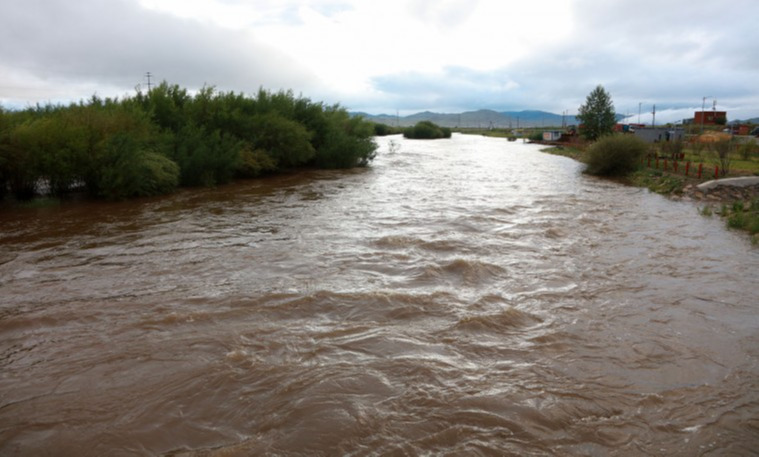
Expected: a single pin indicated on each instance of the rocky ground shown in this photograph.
(720, 194)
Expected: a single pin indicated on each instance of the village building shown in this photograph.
(709, 117)
(551, 135)
(659, 134)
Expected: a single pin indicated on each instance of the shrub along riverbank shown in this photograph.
(150, 143)
(426, 130)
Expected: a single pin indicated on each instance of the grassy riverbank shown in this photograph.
(738, 213)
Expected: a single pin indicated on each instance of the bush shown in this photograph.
(286, 141)
(746, 150)
(721, 151)
(205, 158)
(130, 171)
(672, 149)
(536, 136)
(426, 130)
(615, 155)
(254, 162)
(347, 142)
(385, 130)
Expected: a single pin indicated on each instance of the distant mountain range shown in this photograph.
(478, 119)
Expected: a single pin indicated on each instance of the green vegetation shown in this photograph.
(150, 143)
(723, 151)
(572, 152)
(658, 181)
(740, 158)
(742, 216)
(537, 135)
(426, 130)
(597, 114)
(615, 155)
(748, 150)
(385, 130)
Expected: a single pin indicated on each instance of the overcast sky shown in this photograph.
(383, 56)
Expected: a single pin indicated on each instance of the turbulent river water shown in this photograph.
(469, 296)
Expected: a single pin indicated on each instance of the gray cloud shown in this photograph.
(114, 43)
(442, 13)
(669, 53)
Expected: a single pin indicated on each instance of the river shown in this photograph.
(470, 296)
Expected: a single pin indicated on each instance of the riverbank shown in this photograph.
(738, 206)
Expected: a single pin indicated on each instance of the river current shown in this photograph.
(470, 296)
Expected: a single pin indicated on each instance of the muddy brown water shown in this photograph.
(461, 297)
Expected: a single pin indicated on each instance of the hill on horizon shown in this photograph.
(483, 118)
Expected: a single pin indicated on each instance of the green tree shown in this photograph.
(597, 114)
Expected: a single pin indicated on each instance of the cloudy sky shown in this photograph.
(393, 55)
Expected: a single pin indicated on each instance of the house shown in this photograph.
(740, 129)
(551, 135)
(660, 134)
(709, 117)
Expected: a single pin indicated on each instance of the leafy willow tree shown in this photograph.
(597, 115)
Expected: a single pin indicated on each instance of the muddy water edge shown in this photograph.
(470, 296)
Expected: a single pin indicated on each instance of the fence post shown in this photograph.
(716, 172)
(687, 168)
(700, 167)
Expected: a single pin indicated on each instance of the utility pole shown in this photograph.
(639, 103)
(149, 75)
(653, 121)
(703, 105)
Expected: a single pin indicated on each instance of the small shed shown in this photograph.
(551, 135)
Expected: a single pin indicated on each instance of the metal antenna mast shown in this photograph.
(149, 75)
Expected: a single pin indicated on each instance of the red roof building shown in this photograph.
(709, 117)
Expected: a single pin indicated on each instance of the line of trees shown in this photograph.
(150, 143)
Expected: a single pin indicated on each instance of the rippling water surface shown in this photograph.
(462, 297)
